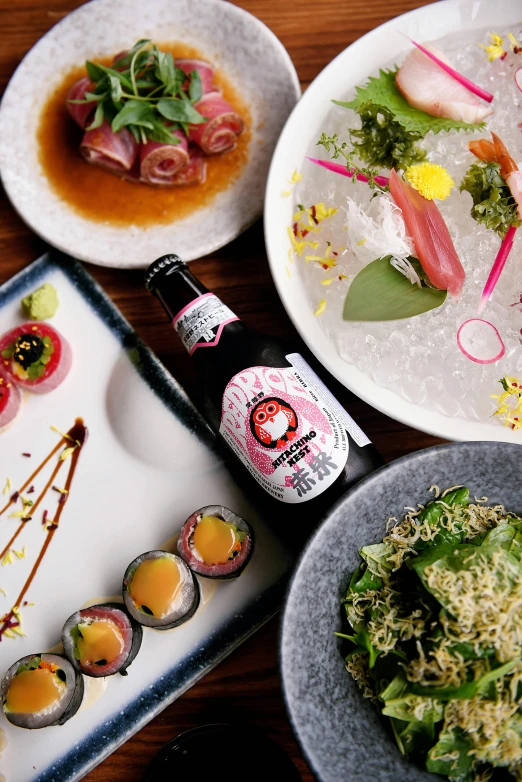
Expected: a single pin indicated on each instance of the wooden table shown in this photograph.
(245, 687)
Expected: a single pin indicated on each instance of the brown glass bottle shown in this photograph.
(290, 435)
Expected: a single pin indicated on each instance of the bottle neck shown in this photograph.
(177, 289)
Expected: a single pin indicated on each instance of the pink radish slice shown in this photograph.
(480, 341)
(518, 78)
(10, 401)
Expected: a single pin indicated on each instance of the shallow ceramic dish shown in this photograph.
(235, 41)
(350, 68)
(341, 732)
(148, 462)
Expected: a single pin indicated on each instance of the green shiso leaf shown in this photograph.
(382, 91)
(379, 292)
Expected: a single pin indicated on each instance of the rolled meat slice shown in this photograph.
(194, 172)
(35, 356)
(10, 401)
(81, 113)
(222, 128)
(113, 151)
(159, 163)
(204, 68)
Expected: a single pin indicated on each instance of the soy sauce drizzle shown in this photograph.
(77, 435)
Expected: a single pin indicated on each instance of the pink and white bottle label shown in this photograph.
(200, 323)
(284, 431)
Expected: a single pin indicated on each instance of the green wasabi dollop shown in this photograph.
(41, 304)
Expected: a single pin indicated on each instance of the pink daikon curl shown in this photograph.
(498, 265)
(338, 168)
(469, 85)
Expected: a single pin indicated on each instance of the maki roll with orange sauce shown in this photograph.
(101, 640)
(35, 356)
(215, 542)
(10, 401)
(41, 690)
(160, 591)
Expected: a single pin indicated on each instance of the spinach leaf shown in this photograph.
(377, 555)
(404, 708)
(363, 580)
(450, 755)
(467, 690)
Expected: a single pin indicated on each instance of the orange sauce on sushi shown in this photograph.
(33, 691)
(215, 540)
(155, 584)
(100, 640)
(101, 196)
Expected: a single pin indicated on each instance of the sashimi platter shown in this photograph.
(404, 232)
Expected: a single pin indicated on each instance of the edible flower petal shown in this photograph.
(509, 402)
(321, 308)
(495, 49)
(430, 180)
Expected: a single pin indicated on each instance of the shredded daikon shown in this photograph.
(377, 231)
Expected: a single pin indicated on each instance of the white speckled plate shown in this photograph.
(149, 461)
(352, 67)
(241, 46)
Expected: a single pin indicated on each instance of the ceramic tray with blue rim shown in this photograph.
(146, 465)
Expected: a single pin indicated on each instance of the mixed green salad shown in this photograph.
(435, 635)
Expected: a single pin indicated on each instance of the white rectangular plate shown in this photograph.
(148, 463)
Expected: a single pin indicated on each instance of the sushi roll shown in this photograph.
(41, 690)
(35, 356)
(101, 640)
(160, 591)
(10, 401)
(216, 543)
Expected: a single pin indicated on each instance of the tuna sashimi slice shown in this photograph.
(222, 128)
(81, 113)
(10, 401)
(426, 86)
(56, 369)
(114, 151)
(431, 238)
(159, 163)
(194, 172)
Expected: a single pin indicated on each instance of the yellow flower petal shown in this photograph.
(430, 180)
(327, 281)
(321, 308)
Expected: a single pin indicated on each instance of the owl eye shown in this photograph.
(271, 409)
(260, 417)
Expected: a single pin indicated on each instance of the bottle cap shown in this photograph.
(160, 268)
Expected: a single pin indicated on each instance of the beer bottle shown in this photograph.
(266, 403)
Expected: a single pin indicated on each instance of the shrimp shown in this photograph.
(496, 152)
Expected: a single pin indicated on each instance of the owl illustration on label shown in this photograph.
(273, 422)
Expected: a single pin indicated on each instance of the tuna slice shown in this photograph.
(222, 128)
(10, 401)
(195, 171)
(81, 113)
(426, 86)
(431, 238)
(51, 372)
(159, 163)
(115, 151)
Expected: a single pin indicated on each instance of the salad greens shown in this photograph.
(390, 127)
(493, 204)
(435, 635)
(145, 92)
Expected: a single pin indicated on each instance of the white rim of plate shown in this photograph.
(441, 17)
(77, 37)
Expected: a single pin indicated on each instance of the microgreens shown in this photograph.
(145, 92)
(332, 146)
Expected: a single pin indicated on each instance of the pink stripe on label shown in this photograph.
(189, 305)
(214, 341)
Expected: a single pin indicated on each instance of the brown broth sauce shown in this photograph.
(101, 196)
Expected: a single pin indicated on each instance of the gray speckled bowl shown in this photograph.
(340, 732)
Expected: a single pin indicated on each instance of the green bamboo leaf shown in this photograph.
(380, 292)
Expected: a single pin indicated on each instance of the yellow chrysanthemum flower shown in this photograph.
(430, 179)
(495, 50)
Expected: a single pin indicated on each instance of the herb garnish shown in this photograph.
(145, 92)
(32, 665)
(493, 204)
(391, 128)
(331, 144)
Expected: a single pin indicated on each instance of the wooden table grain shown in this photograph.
(246, 686)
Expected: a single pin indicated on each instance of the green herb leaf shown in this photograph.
(96, 72)
(382, 91)
(382, 141)
(134, 112)
(451, 755)
(493, 204)
(178, 110)
(196, 87)
(98, 117)
(116, 89)
(379, 292)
